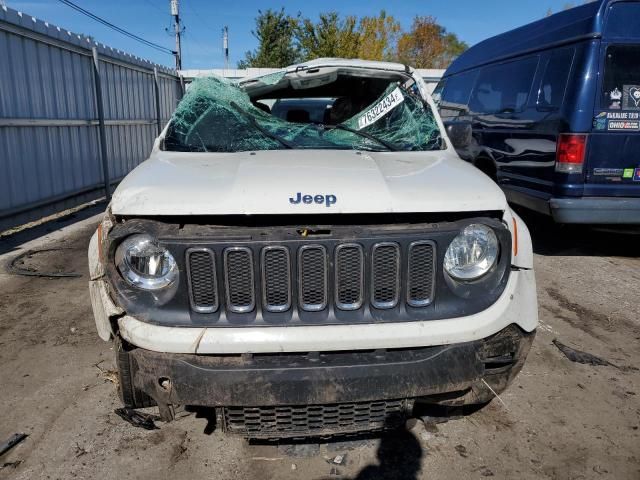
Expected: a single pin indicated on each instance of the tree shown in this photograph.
(284, 40)
(275, 31)
(378, 37)
(329, 37)
(428, 45)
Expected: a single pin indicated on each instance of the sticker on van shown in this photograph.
(617, 121)
(631, 98)
(608, 172)
(615, 96)
(623, 125)
(600, 121)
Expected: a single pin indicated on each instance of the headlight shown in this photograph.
(472, 253)
(145, 264)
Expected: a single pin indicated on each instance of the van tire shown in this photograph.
(131, 396)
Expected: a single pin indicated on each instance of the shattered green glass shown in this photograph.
(409, 126)
(217, 115)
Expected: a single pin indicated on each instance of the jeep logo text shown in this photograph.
(328, 200)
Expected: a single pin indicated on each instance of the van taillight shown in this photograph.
(570, 153)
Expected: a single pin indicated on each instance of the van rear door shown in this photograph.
(613, 163)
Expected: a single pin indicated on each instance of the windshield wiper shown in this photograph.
(259, 127)
(341, 126)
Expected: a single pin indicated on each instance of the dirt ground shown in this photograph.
(558, 420)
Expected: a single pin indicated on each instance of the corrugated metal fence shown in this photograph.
(51, 154)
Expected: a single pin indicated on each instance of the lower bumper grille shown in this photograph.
(315, 420)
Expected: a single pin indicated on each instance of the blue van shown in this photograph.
(551, 111)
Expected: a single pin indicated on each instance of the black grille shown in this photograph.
(385, 290)
(238, 266)
(421, 266)
(312, 266)
(276, 279)
(279, 278)
(291, 421)
(202, 281)
(349, 276)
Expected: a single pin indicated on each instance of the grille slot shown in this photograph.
(283, 421)
(276, 279)
(420, 274)
(312, 277)
(239, 277)
(385, 281)
(349, 283)
(203, 282)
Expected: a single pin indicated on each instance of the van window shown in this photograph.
(504, 88)
(456, 94)
(554, 81)
(436, 95)
(623, 20)
(621, 86)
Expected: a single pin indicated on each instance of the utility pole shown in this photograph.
(225, 46)
(175, 13)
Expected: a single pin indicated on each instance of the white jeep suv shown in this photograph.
(306, 253)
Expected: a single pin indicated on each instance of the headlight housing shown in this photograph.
(472, 253)
(145, 264)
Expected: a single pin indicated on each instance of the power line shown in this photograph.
(198, 17)
(116, 28)
(157, 7)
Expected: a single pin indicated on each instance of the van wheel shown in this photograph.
(487, 167)
(131, 396)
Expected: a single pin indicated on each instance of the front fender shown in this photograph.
(522, 250)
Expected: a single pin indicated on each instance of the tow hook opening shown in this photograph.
(499, 362)
(165, 383)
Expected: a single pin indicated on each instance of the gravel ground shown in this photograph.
(558, 420)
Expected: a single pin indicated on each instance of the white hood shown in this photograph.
(177, 183)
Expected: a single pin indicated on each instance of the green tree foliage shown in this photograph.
(370, 38)
(284, 40)
(378, 37)
(428, 45)
(330, 36)
(275, 31)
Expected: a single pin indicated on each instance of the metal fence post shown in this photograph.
(182, 87)
(101, 130)
(156, 84)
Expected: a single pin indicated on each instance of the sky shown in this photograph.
(204, 19)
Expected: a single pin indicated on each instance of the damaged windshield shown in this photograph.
(216, 115)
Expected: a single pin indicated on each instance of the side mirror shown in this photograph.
(460, 135)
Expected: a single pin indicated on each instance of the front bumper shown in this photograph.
(517, 305)
(354, 372)
(596, 210)
(451, 374)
